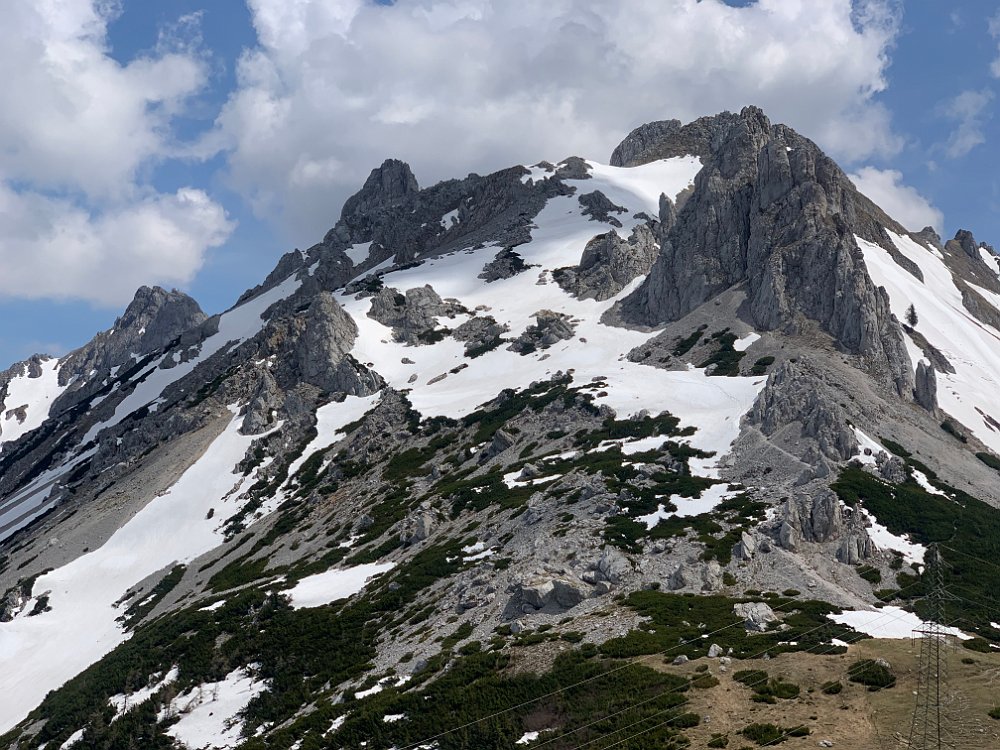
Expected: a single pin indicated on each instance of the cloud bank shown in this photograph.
(335, 87)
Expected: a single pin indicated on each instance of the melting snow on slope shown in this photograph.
(706, 502)
(972, 347)
(884, 539)
(920, 478)
(35, 394)
(38, 654)
(209, 712)
(123, 702)
(888, 622)
(865, 442)
(330, 420)
(72, 740)
(714, 404)
(331, 585)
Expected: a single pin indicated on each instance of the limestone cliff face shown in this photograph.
(771, 212)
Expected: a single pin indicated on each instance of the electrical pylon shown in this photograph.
(930, 729)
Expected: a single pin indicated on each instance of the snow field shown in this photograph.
(38, 654)
(972, 347)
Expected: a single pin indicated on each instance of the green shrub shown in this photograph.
(718, 740)
(704, 681)
(990, 460)
(870, 574)
(952, 429)
(832, 688)
(763, 734)
(761, 365)
(871, 674)
(683, 346)
(995, 713)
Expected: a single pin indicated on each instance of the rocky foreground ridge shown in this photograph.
(493, 433)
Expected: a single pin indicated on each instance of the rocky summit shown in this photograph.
(676, 451)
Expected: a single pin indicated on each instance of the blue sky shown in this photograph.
(189, 143)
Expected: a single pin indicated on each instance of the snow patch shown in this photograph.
(920, 478)
(330, 420)
(72, 740)
(123, 702)
(741, 345)
(331, 585)
(884, 539)
(35, 395)
(706, 502)
(888, 622)
(872, 445)
(359, 253)
(210, 712)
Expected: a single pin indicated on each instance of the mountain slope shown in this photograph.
(504, 411)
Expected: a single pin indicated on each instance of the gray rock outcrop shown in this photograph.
(609, 264)
(599, 207)
(506, 264)
(412, 316)
(264, 403)
(321, 352)
(774, 214)
(925, 389)
(757, 616)
(480, 332)
(793, 397)
(549, 328)
(152, 321)
(548, 594)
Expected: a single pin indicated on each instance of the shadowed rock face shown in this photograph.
(771, 212)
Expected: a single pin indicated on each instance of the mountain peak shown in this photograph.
(153, 319)
(665, 139)
(388, 185)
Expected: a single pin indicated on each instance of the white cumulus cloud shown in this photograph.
(52, 248)
(334, 87)
(79, 131)
(901, 202)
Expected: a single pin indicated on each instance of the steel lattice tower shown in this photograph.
(930, 728)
